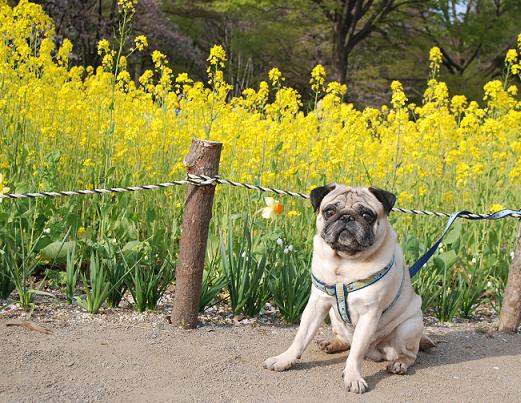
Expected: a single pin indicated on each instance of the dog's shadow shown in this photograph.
(332, 359)
(452, 347)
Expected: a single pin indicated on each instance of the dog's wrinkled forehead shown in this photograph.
(346, 196)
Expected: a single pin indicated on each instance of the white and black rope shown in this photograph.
(203, 180)
(35, 195)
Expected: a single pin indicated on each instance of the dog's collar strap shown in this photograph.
(340, 291)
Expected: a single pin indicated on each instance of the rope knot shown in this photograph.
(202, 180)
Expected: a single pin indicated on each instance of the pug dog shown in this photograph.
(379, 316)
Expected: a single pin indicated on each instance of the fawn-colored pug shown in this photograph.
(360, 278)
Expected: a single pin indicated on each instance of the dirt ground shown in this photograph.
(135, 357)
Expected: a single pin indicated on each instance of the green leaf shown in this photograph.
(58, 250)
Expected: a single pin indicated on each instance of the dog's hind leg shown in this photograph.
(333, 344)
(405, 343)
(336, 343)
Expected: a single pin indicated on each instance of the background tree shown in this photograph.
(352, 22)
(366, 43)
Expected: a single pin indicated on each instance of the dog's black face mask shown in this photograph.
(350, 218)
(349, 230)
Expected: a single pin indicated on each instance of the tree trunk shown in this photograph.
(203, 159)
(511, 309)
(340, 55)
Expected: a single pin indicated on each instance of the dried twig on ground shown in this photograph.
(30, 326)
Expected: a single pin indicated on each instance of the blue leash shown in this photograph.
(415, 268)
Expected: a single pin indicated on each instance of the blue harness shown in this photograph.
(341, 291)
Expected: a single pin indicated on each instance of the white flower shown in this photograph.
(274, 207)
(512, 254)
(286, 251)
(474, 260)
(290, 248)
(47, 231)
(243, 254)
(441, 250)
(280, 242)
(440, 246)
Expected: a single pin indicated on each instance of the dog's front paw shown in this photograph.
(354, 382)
(279, 363)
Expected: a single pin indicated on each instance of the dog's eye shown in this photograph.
(329, 212)
(368, 217)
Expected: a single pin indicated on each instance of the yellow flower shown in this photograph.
(398, 99)
(124, 77)
(141, 42)
(3, 189)
(405, 197)
(64, 52)
(458, 103)
(146, 78)
(99, 115)
(511, 56)
(318, 76)
(435, 57)
(275, 77)
(127, 6)
(293, 213)
(80, 234)
(496, 207)
(272, 209)
(512, 90)
(447, 197)
(158, 59)
(336, 89)
(183, 78)
(103, 46)
(108, 62)
(217, 56)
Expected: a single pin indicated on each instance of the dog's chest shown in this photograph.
(337, 270)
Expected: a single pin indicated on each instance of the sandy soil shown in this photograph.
(135, 357)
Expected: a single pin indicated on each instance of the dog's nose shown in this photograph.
(346, 218)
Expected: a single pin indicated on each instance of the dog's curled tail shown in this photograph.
(426, 343)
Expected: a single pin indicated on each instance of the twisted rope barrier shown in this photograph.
(203, 180)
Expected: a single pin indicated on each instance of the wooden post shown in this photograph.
(202, 159)
(511, 309)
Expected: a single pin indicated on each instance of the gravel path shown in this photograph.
(100, 358)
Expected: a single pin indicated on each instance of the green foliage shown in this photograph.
(466, 270)
(55, 278)
(116, 275)
(148, 282)
(72, 270)
(245, 272)
(21, 262)
(96, 287)
(290, 280)
(6, 282)
(213, 280)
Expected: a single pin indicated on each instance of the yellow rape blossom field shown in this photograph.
(66, 127)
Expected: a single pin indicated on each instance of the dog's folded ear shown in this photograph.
(318, 194)
(386, 198)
